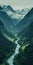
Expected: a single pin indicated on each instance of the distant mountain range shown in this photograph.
(6, 8)
(22, 11)
(16, 22)
(10, 14)
(9, 8)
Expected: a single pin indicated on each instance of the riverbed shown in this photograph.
(10, 60)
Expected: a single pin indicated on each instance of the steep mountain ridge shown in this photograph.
(24, 22)
(4, 30)
(6, 20)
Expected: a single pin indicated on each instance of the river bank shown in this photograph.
(11, 59)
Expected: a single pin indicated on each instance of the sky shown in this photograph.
(17, 4)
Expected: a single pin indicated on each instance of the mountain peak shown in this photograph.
(10, 8)
(7, 8)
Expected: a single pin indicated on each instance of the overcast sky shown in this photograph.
(17, 4)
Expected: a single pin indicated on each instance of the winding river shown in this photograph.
(10, 60)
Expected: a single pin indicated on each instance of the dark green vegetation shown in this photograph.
(25, 56)
(7, 47)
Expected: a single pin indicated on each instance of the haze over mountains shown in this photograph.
(10, 17)
(16, 21)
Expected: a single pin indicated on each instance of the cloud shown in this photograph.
(17, 3)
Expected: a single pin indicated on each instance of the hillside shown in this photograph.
(24, 23)
(27, 27)
(7, 47)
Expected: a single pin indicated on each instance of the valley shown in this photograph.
(16, 36)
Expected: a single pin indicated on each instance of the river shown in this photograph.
(10, 60)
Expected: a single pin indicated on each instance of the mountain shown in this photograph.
(15, 15)
(12, 19)
(15, 18)
(27, 25)
(22, 11)
(24, 22)
(8, 8)
(6, 21)
(25, 33)
(4, 30)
